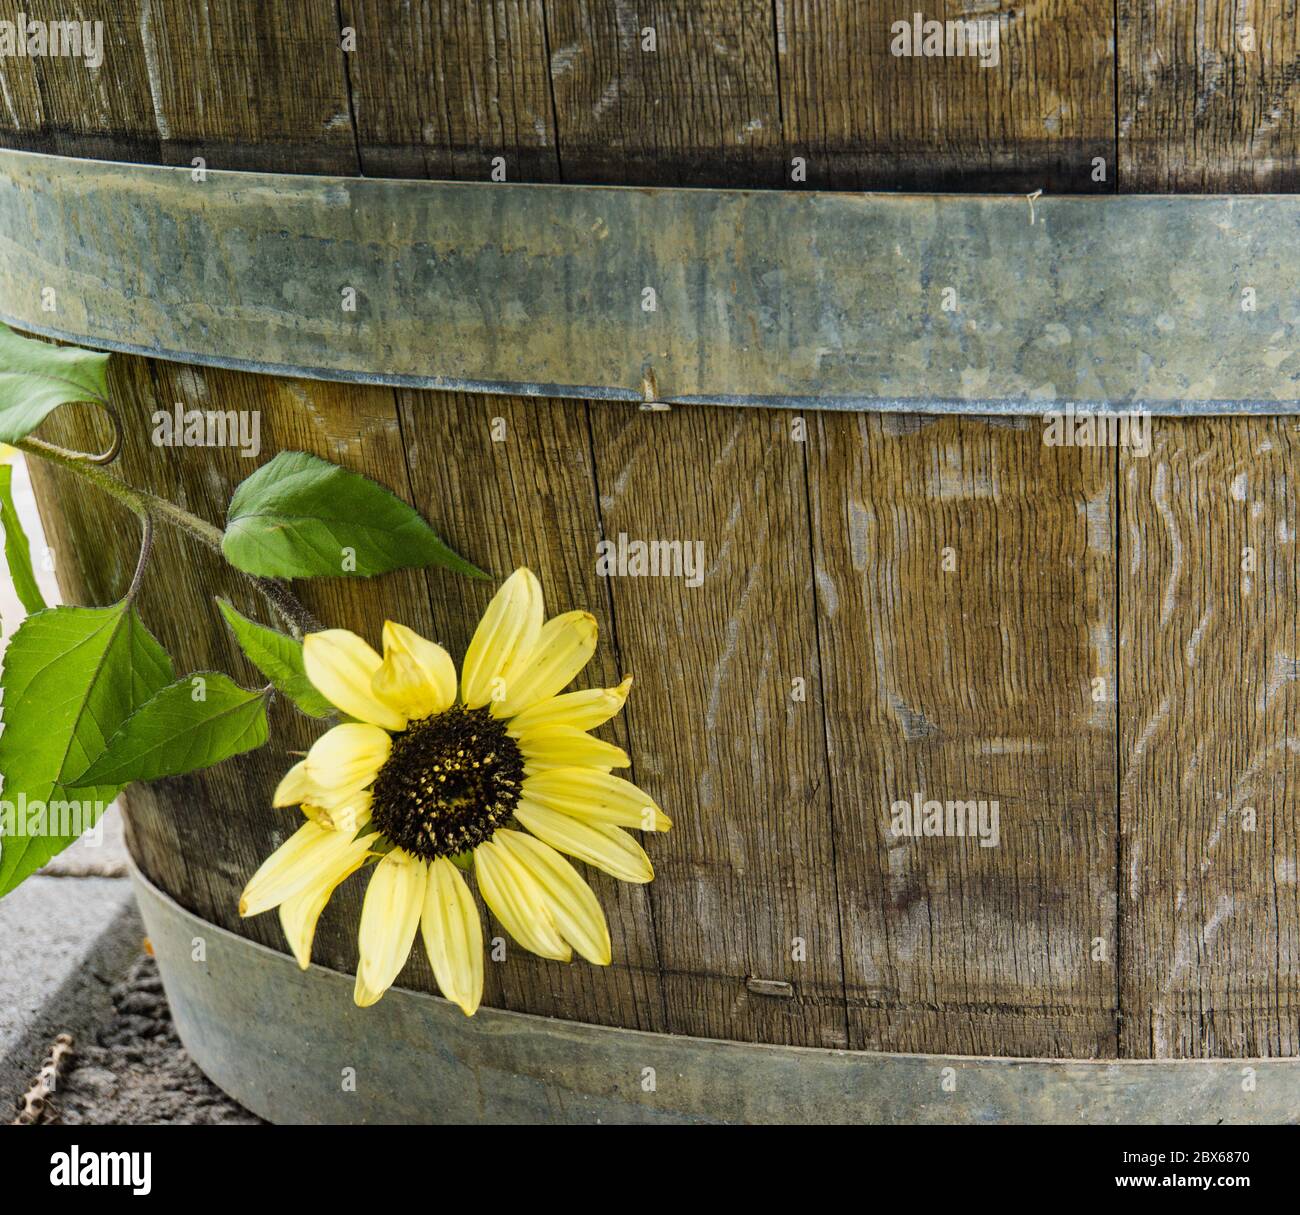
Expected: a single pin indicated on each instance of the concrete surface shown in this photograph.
(101, 852)
(71, 962)
(63, 943)
(65, 934)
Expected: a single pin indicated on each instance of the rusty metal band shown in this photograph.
(940, 303)
(281, 1041)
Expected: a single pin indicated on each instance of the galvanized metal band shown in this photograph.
(281, 1040)
(938, 303)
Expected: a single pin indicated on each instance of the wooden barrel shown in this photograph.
(898, 604)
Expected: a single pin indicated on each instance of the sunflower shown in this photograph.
(434, 778)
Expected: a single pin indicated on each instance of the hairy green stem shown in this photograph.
(291, 609)
(150, 506)
(146, 548)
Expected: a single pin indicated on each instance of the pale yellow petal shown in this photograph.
(299, 914)
(298, 919)
(317, 814)
(583, 710)
(564, 747)
(341, 666)
(417, 677)
(339, 800)
(348, 817)
(563, 647)
(572, 903)
(596, 797)
(295, 787)
(344, 760)
(453, 936)
(507, 632)
(607, 848)
(306, 856)
(516, 899)
(389, 917)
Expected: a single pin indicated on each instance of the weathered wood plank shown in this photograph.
(1210, 652)
(513, 479)
(1209, 96)
(746, 879)
(746, 885)
(673, 92)
(945, 948)
(22, 115)
(195, 78)
(965, 594)
(448, 87)
(864, 118)
(56, 105)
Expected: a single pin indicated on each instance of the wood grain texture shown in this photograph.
(700, 108)
(439, 94)
(184, 79)
(443, 88)
(1210, 649)
(57, 105)
(1210, 935)
(1209, 96)
(966, 602)
(745, 888)
(865, 118)
(514, 478)
(969, 1013)
(746, 879)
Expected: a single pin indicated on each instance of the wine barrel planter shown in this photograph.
(899, 599)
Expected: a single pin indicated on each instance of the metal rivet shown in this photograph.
(770, 987)
(650, 391)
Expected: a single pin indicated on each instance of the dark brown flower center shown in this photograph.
(449, 782)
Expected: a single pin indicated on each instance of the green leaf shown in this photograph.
(300, 516)
(279, 657)
(18, 553)
(72, 676)
(36, 378)
(177, 732)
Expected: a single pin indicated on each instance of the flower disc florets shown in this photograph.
(449, 782)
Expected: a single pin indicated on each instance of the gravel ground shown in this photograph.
(136, 1070)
